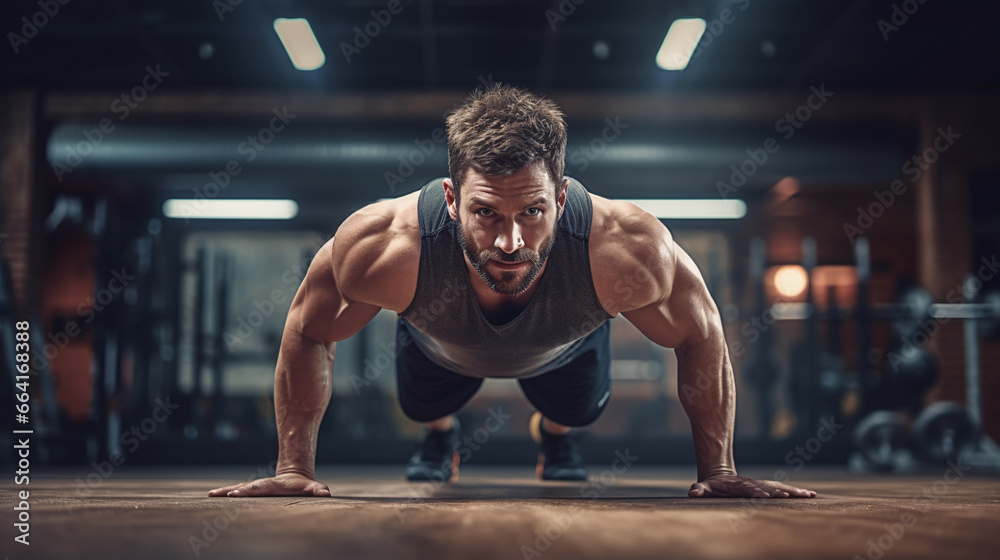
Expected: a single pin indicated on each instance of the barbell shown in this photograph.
(911, 309)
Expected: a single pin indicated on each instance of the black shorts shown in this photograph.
(572, 395)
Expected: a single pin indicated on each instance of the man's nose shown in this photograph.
(509, 239)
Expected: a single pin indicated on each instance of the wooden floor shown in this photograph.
(150, 514)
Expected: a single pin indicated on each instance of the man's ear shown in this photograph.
(562, 197)
(449, 198)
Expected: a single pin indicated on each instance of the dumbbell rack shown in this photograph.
(984, 452)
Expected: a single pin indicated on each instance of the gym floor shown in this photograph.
(506, 513)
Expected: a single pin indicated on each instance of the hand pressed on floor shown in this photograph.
(289, 484)
(733, 486)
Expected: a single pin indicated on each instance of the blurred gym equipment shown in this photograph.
(881, 438)
(892, 402)
(943, 431)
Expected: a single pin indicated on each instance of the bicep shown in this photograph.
(320, 311)
(685, 313)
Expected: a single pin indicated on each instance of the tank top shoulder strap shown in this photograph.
(432, 212)
(579, 214)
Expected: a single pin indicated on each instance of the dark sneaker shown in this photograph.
(436, 458)
(560, 458)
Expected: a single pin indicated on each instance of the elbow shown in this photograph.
(706, 332)
(304, 336)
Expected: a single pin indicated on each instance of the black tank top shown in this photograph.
(447, 324)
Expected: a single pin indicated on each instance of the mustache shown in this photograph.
(517, 256)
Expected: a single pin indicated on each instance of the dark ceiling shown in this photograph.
(454, 44)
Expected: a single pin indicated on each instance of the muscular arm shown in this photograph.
(320, 315)
(360, 271)
(687, 320)
(683, 316)
(673, 308)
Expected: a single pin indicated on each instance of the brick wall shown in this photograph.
(18, 115)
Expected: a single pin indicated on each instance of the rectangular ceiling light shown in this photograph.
(692, 209)
(300, 43)
(679, 44)
(230, 209)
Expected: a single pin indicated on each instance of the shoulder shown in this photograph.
(632, 255)
(376, 253)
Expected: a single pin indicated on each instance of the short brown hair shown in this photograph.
(502, 129)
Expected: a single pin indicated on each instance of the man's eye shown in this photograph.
(533, 211)
(484, 212)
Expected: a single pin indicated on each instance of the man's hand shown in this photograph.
(732, 486)
(289, 484)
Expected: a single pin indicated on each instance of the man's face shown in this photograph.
(507, 224)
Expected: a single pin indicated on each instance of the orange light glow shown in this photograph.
(790, 280)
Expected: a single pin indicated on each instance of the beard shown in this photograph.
(510, 283)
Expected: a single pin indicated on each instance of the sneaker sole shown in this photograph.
(535, 429)
(455, 461)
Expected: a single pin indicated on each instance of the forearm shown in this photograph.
(302, 388)
(708, 394)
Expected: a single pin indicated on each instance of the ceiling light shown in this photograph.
(693, 209)
(230, 209)
(679, 44)
(300, 43)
